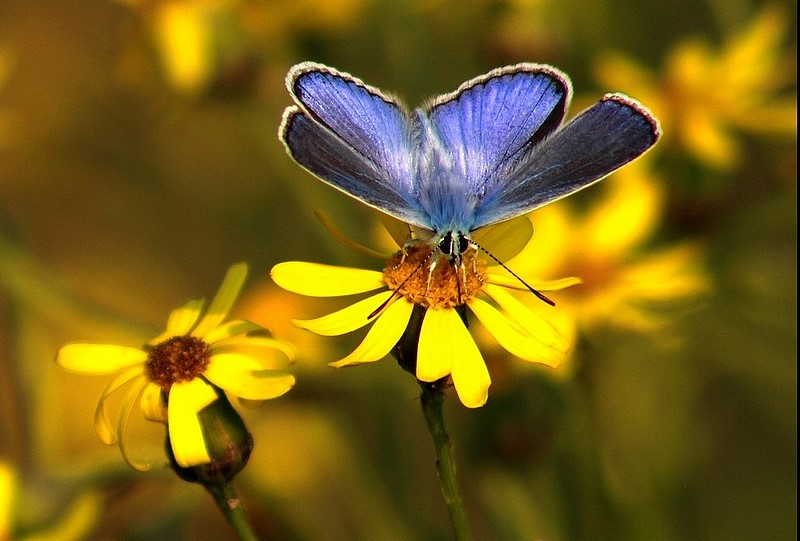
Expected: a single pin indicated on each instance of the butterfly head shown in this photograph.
(437, 272)
(453, 244)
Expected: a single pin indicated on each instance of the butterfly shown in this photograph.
(494, 149)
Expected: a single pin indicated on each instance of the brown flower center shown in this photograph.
(434, 283)
(180, 358)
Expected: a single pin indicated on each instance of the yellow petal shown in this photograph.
(528, 321)
(509, 336)
(8, 488)
(255, 346)
(77, 521)
(185, 39)
(316, 280)
(507, 239)
(709, 140)
(152, 405)
(446, 347)
(223, 301)
(346, 320)
(383, 335)
(237, 375)
(186, 399)
(669, 274)
(626, 216)
(470, 375)
(181, 320)
(616, 70)
(231, 328)
(102, 425)
(233, 360)
(546, 253)
(749, 56)
(132, 396)
(440, 328)
(397, 230)
(99, 358)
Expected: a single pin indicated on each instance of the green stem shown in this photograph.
(231, 506)
(445, 461)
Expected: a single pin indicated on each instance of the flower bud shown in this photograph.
(227, 440)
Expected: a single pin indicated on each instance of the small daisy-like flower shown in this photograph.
(179, 372)
(426, 300)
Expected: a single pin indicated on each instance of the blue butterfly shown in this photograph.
(492, 150)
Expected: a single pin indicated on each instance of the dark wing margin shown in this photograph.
(594, 144)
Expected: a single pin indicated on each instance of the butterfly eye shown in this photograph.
(446, 243)
(463, 243)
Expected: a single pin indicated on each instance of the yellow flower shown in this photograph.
(705, 94)
(432, 295)
(175, 374)
(205, 44)
(624, 283)
(74, 522)
(7, 482)
(185, 33)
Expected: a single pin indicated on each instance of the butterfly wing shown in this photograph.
(470, 139)
(489, 121)
(353, 137)
(595, 143)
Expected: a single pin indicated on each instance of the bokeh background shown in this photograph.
(139, 159)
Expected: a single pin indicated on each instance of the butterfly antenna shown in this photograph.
(385, 303)
(541, 296)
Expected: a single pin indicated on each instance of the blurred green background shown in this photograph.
(139, 159)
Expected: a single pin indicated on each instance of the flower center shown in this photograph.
(434, 283)
(180, 358)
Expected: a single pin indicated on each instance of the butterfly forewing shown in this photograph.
(600, 140)
(327, 156)
(373, 124)
(491, 120)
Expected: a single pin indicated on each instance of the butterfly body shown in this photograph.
(492, 150)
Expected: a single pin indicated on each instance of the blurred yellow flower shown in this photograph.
(705, 94)
(624, 282)
(429, 301)
(7, 481)
(200, 43)
(175, 374)
(185, 34)
(73, 523)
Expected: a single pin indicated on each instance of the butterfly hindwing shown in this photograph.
(595, 143)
